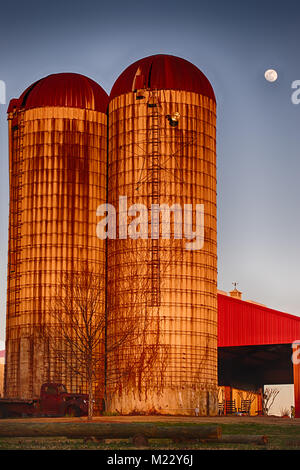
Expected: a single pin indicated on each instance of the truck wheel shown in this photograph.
(3, 414)
(72, 412)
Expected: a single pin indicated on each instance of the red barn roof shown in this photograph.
(242, 323)
(163, 72)
(63, 89)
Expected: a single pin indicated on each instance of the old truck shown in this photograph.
(54, 401)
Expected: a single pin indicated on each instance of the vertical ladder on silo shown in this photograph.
(12, 375)
(17, 205)
(154, 177)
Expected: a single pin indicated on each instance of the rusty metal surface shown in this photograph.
(153, 162)
(162, 72)
(57, 179)
(70, 90)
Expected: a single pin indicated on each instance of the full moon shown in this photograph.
(271, 75)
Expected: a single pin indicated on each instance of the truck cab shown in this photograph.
(56, 401)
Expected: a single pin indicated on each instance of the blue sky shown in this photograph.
(258, 136)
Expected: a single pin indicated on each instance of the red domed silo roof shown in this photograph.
(63, 89)
(163, 72)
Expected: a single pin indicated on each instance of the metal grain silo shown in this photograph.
(57, 168)
(162, 150)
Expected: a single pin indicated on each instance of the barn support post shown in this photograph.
(296, 373)
(227, 396)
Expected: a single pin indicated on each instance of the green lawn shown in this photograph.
(280, 437)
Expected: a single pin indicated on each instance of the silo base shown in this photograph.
(171, 401)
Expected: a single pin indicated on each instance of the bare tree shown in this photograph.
(141, 362)
(268, 399)
(89, 340)
(76, 335)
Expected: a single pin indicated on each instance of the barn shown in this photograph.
(256, 346)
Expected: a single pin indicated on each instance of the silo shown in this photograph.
(57, 170)
(162, 151)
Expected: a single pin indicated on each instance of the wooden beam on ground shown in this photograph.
(109, 430)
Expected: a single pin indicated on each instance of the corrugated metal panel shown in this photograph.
(163, 72)
(242, 323)
(152, 162)
(63, 89)
(57, 179)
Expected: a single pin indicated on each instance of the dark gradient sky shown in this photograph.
(258, 138)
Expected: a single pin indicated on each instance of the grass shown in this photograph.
(280, 437)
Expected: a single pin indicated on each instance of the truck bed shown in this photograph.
(19, 401)
(18, 407)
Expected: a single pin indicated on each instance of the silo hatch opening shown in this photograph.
(173, 119)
